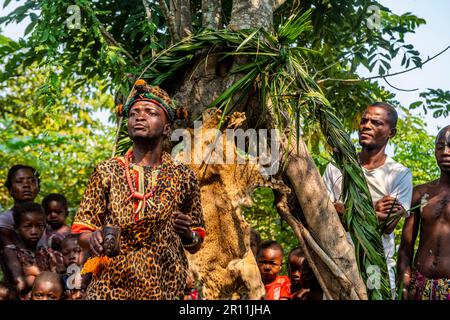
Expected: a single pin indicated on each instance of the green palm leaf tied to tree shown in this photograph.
(278, 69)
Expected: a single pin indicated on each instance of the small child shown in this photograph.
(296, 260)
(304, 284)
(74, 283)
(47, 286)
(270, 260)
(191, 292)
(29, 221)
(56, 210)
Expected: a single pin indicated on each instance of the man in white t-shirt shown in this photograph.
(390, 183)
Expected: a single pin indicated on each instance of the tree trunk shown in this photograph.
(183, 18)
(331, 255)
(211, 14)
(324, 226)
(252, 14)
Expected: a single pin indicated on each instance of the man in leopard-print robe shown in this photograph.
(154, 232)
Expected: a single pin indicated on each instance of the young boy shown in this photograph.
(304, 284)
(296, 261)
(74, 283)
(56, 210)
(47, 286)
(191, 292)
(270, 260)
(29, 221)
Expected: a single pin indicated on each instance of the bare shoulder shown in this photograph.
(426, 187)
(420, 190)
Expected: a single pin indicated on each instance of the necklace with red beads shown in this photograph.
(143, 198)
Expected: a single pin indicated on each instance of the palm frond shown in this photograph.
(280, 71)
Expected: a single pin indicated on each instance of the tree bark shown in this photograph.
(183, 20)
(324, 225)
(212, 14)
(170, 18)
(252, 14)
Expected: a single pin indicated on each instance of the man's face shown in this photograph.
(24, 186)
(147, 121)
(374, 128)
(442, 151)
(269, 264)
(31, 228)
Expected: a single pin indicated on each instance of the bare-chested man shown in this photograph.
(429, 278)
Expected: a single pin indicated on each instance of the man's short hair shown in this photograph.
(441, 133)
(390, 110)
(14, 169)
(270, 244)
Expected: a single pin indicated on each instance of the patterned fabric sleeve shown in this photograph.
(192, 204)
(91, 213)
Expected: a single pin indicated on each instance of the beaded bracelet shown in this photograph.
(195, 240)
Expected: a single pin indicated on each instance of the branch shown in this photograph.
(407, 90)
(183, 18)
(170, 21)
(148, 13)
(384, 76)
(110, 39)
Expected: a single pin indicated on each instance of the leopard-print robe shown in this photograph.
(152, 263)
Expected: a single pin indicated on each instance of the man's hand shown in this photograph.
(389, 207)
(388, 204)
(182, 225)
(96, 242)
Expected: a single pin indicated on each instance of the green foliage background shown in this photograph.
(54, 81)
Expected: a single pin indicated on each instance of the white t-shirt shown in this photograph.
(392, 179)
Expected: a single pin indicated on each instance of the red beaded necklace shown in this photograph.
(143, 198)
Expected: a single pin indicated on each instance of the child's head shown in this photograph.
(296, 261)
(47, 286)
(270, 260)
(56, 210)
(255, 241)
(29, 222)
(22, 183)
(71, 250)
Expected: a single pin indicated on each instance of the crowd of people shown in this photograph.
(44, 261)
(40, 258)
(156, 203)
